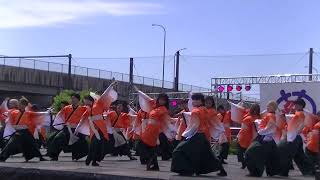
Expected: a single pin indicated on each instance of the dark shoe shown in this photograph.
(223, 162)
(284, 175)
(2, 159)
(222, 173)
(95, 164)
(132, 158)
(271, 174)
(185, 174)
(291, 167)
(154, 168)
(243, 166)
(43, 159)
(88, 162)
(143, 161)
(54, 159)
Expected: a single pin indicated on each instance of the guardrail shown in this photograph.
(31, 63)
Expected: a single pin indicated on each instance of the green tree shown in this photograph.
(65, 96)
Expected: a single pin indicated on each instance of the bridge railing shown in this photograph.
(40, 64)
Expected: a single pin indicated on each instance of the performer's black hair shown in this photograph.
(198, 96)
(165, 97)
(24, 101)
(210, 98)
(300, 102)
(255, 110)
(76, 95)
(221, 107)
(35, 107)
(124, 106)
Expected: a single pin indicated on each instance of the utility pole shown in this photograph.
(130, 76)
(176, 76)
(70, 86)
(176, 82)
(131, 72)
(310, 63)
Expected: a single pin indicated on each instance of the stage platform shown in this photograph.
(115, 168)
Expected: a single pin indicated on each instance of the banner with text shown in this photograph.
(286, 93)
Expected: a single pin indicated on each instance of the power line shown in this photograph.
(122, 58)
(240, 55)
(192, 56)
(299, 60)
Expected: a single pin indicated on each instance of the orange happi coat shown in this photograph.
(247, 131)
(157, 118)
(75, 116)
(313, 139)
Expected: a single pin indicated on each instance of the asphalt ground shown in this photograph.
(122, 167)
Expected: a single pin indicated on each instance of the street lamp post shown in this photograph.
(164, 51)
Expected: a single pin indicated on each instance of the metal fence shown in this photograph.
(37, 64)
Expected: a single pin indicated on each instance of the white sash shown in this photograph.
(95, 131)
(118, 139)
(73, 138)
